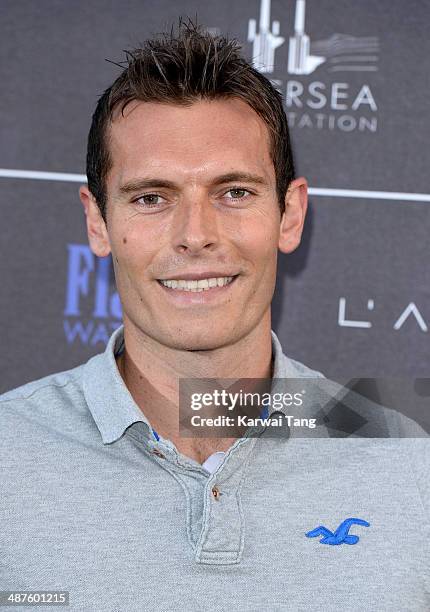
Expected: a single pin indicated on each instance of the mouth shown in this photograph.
(197, 286)
(197, 291)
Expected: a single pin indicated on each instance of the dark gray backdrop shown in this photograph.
(353, 300)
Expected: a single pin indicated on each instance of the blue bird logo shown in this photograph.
(341, 535)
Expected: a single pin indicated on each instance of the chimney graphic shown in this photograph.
(265, 41)
(299, 59)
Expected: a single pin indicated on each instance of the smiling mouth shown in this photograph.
(198, 286)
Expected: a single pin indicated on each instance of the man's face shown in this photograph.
(191, 196)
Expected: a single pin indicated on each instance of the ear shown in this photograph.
(96, 227)
(293, 218)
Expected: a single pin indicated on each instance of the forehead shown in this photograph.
(195, 141)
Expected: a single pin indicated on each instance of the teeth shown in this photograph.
(197, 286)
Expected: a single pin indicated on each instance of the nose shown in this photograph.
(195, 226)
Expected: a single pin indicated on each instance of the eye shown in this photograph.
(237, 193)
(150, 200)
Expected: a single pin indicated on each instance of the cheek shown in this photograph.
(136, 243)
(259, 244)
(131, 257)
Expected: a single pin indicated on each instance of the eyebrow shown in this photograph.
(156, 183)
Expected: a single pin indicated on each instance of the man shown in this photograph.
(191, 188)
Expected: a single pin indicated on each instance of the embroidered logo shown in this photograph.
(341, 535)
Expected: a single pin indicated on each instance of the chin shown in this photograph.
(202, 340)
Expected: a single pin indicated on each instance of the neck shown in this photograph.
(151, 372)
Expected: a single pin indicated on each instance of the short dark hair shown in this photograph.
(182, 68)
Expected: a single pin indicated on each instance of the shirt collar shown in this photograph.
(110, 402)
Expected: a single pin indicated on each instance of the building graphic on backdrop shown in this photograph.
(266, 40)
(300, 61)
(342, 51)
(338, 54)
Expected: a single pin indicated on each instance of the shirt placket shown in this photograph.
(215, 520)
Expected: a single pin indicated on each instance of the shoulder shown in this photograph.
(286, 367)
(40, 419)
(48, 395)
(416, 453)
(52, 381)
(302, 370)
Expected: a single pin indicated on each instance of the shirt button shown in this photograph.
(216, 492)
(158, 453)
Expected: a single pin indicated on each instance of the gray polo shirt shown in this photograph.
(92, 503)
